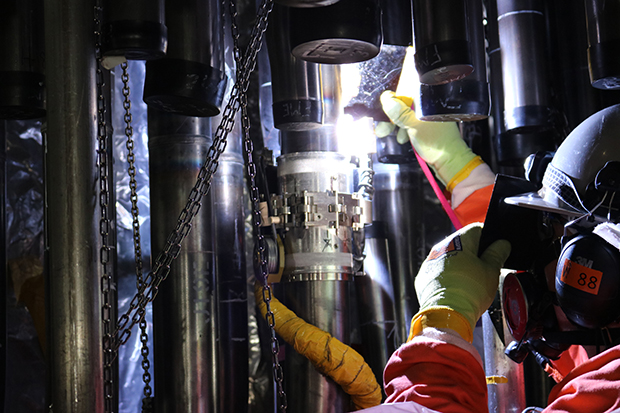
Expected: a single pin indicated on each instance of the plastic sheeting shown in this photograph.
(131, 384)
(25, 372)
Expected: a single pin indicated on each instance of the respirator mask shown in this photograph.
(564, 228)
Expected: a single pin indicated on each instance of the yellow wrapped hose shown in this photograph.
(329, 355)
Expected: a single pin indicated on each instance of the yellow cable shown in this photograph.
(329, 355)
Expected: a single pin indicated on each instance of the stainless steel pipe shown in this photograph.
(398, 202)
(295, 83)
(75, 356)
(229, 228)
(190, 80)
(524, 69)
(22, 79)
(185, 310)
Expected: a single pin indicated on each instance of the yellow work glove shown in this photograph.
(438, 143)
(454, 286)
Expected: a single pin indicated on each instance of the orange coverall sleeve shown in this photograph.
(474, 207)
(593, 386)
(437, 375)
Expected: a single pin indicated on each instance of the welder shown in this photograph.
(438, 368)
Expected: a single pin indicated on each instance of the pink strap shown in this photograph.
(444, 202)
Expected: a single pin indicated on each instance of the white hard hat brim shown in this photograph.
(533, 200)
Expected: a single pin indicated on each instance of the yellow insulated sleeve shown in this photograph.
(329, 355)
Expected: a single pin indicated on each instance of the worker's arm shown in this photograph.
(438, 367)
(466, 177)
(593, 386)
(439, 370)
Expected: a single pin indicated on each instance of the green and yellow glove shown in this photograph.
(438, 143)
(454, 286)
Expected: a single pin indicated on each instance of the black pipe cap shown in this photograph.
(346, 32)
(443, 62)
(604, 65)
(184, 87)
(390, 151)
(459, 101)
(21, 95)
(136, 40)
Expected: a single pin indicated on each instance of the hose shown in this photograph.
(327, 354)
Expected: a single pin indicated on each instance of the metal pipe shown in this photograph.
(502, 399)
(190, 80)
(346, 32)
(295, 83)
(375, 301)
(21, 60)
(185, 310)
(135, 29)
(318, 273)
(524, 69)
(441, 41)
(397, 18)
(307, 3)
(514, 144)
(464, 99)
(323, 304)
(397, 186)
(3, 264)
(75, 356)
(229, 230)
(323, 138)
(604, 40)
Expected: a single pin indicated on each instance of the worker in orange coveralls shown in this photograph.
(438, 369)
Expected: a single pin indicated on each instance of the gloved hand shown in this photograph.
(454, 286)
(438, 143)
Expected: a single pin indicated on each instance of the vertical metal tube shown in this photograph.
(604, 40)
(397, 18)
(464, 99)
(230, 263)
(346, 32)
(21, 60)
(3, 264)
(502, 399)
(524, 69)
(72, 231)
(185, 310)
(307, 3)
(295, 83)
(375, 297)
(323, 138)
(318, 273)
(190, 80)
(398, 202)
(440, 34)
(134, 29)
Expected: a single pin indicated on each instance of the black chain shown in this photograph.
(147, 401)
(105, 252)
(257, 220)
(171, 250)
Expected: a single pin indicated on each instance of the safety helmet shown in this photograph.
(569, 179)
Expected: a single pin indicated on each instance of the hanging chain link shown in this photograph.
(171, 250)
(278, 374)
(147, 401)
(106, 250)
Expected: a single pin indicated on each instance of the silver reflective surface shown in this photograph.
(185, 311)
(72, 238)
